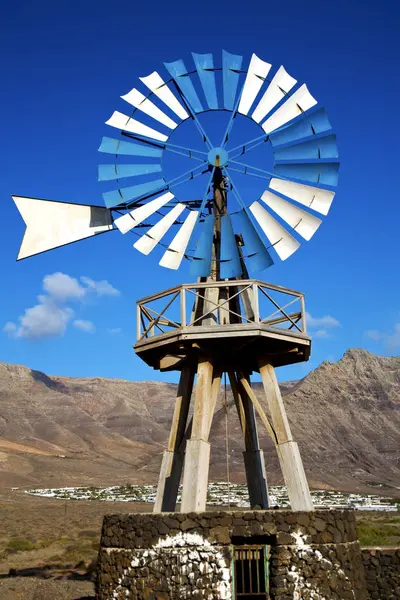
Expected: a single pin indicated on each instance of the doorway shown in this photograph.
(251, 571)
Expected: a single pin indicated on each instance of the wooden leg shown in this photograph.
(197, 455)
(253, 456)
(171, 467)
(215, 389)
(288, 451)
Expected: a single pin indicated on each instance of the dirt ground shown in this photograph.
(32, 588)
(48, 548)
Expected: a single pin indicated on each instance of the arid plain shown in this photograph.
(59, 431)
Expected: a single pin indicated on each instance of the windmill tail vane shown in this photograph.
(252, 232)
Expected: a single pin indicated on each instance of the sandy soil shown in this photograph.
(63, 537)
(32, 588)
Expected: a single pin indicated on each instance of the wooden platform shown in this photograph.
(166, 338)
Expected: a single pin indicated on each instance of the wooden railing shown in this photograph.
(242, 302)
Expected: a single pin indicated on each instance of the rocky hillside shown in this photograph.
(69, 431)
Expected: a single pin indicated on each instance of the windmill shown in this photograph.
(224, 234)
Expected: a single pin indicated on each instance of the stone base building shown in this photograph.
(276, 554)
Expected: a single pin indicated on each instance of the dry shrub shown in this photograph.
(20, 545)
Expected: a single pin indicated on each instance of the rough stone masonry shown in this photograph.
(382, 573)
(313, 555)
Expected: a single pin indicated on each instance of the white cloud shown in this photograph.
(393, 340)
(390, 339)
(10, 328)
(45, 319)
(325, 322)
(86, 326)
(50, 316)
(114, 330)
(62, 287)
(101, 288)
(374, 334)
(321, 333)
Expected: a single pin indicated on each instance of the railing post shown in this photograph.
(183, 306)
(138, 321)
(303, 315)
(256, 307)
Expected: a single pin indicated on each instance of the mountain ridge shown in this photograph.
(345, 415)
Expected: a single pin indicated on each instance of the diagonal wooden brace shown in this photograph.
(257, 405)
(288, 451)
(253, 456)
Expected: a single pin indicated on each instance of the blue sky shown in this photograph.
(63, 67)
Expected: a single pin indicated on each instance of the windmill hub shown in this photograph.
(218, 157)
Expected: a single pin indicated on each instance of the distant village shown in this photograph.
(220, 494)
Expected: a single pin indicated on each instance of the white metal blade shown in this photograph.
(137, 216)
(139, 101)
(173, 256)
(258, 70)
(316, 198)
(149, 240)
(156, 84)
(51, 224)
(299, 102)
(280, 85)
(304, 223)
(121, 121)
(282, 241)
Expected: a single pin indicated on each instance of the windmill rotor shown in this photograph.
(142, 199)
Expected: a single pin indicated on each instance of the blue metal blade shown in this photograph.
(179, 73)
(255, 253)
(201, 264)
(304, 126)
(230, 260)
(113, 146)
(203, 63)
(323, 173)
(123, 195)
(230, 64)
(107, 172)
(322, 147)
